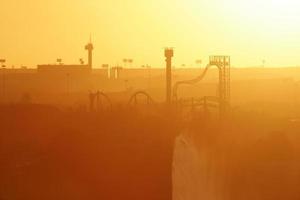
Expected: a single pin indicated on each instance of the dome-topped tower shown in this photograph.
(89, 47)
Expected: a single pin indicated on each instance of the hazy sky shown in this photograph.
(39, 31)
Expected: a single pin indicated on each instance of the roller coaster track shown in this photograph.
(190, 82)
(207, 101)
(133, 99)
(98, 96)
(223, 98)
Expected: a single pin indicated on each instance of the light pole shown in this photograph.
(199, 62)
(81, 61)
(130, 61)
(263, 63)
(125, 61)
(59, 61)
(2, 61)
(149, 75)
(126, 84)
(68, 85)
(106, 67)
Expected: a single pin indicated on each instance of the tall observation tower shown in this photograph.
(169, 53)
(89, 47)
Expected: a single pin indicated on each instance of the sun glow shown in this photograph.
(256, 12)
(249, 30)
(265, 13)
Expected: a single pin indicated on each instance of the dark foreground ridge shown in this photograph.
(47, 153)
(51, 154)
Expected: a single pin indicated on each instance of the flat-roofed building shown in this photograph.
(70, 68)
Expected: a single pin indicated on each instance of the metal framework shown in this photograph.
(169, 53)
(223, 65)
(99, 97)
(134, 98)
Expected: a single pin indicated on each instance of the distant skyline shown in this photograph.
(38, 32)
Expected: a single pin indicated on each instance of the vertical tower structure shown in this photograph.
(169, 53)
(223, 64)
(89, 47)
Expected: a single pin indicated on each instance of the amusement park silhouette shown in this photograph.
(132, 121)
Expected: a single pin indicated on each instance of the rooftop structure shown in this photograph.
(70, 68)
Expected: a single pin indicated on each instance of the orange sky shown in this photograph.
(39, 31)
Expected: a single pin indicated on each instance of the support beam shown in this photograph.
(169, 53)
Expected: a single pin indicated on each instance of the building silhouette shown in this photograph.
(61, 68)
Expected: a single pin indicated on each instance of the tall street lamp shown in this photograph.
(2, 61)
